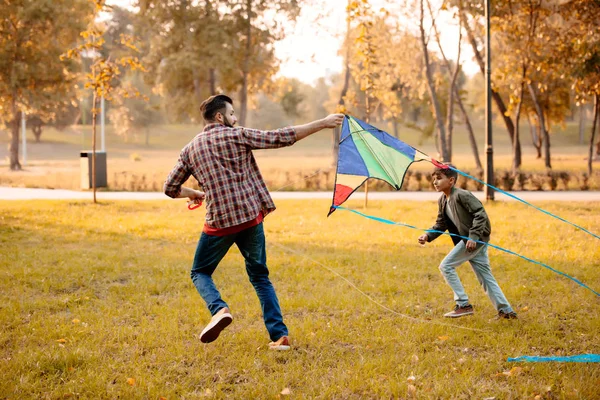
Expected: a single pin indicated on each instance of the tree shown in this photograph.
(33, 78)
(256, 34)
(103, 78)
(581, 41)
(472, 27)
(187, 42)
(435, 102)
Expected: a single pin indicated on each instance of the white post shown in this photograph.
(24, 138)
(102, 142)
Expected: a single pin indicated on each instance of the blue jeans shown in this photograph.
(481, 266)
(251, 243)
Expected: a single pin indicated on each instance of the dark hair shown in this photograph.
(447, 172)
(213, 105)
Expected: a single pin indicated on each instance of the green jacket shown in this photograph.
(473, 220)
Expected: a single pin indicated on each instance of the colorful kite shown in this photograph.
(367, 152)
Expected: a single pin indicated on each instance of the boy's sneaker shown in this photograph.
(460, 311)
(506, 315)
(282, 344)
(218, 322)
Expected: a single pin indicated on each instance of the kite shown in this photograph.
(368, 152)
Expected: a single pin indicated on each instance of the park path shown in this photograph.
(10, 193)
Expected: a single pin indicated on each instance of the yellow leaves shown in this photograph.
(286, 392)
(131, 381)
(61, 340)
(443, 338)
(514, 371)
(411, 391)
(76, 321)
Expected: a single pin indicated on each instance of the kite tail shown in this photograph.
(387, 221)
(525, 202)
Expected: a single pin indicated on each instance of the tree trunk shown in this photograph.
(94, 117)
(246, 66)
(582, 124)
(342, 103)
(13, 147)
(593, 136)
(212, 81)
(535, 136)
(37, 132)
(472, 140)
(517, 142)
(197, 86)
(544, 130)
(430, 83)
(510, 127)
(456, 95)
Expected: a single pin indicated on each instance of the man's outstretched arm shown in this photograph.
(330, 121)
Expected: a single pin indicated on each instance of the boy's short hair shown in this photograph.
(447, 172)
(213, 105)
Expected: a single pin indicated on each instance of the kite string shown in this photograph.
(524, 201)
(386, 221)
(414, 319)
(356, 287)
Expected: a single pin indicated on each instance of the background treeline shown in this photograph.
(545, 72)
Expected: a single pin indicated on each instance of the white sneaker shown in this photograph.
(282, 344)
(218, 322)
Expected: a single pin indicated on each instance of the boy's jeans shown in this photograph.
(481, 265)
(251, 243)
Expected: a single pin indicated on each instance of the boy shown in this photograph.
(462, 214)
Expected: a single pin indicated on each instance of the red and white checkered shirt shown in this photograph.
(221, 160)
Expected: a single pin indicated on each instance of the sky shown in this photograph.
(310, 48)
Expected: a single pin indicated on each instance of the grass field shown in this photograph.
(135, 166)
(96, 302)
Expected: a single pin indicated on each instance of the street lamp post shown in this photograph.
(489, 150)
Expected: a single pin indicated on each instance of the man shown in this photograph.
(237, 200)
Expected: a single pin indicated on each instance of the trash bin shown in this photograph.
(86, 169)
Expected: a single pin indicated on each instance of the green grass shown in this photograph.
(93, 295)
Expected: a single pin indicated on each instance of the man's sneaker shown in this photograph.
(506, 315)
(460, 311)
(218, 322)
(282, 344)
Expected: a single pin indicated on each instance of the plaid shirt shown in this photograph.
(221, 160)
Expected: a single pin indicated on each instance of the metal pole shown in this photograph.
(102, 113)
(24, 138)
(489, 150)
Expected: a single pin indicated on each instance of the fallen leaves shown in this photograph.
(286, 392)
(131, 381)
(514, 371)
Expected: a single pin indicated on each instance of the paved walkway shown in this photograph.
(9, 193)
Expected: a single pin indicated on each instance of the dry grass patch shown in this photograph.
(96, 302)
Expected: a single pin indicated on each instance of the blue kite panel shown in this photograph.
(388, 139)
(345, 129)
(351, 163)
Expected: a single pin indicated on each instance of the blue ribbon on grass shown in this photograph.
(387, 221)
(577, 358)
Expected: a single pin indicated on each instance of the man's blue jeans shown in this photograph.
(481, 266)
(251, 243)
